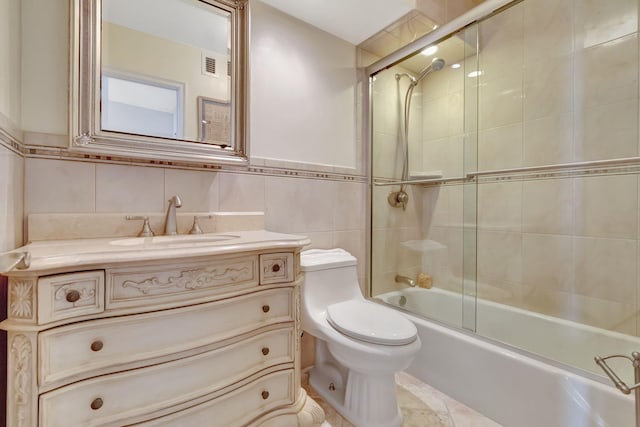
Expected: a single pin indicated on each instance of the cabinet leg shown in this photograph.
(22, 392)
(304, 413)
(311, 415)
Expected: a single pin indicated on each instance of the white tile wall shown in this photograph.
(129, 188)
(238, 192)
(198, 190)
(606, 207)
(500, 206)
(548, 86)
(11, 193)
(548, 140)
(596, 22)
(615, 123)
(555, 18)
(60, 186)
(547, 262)
(506, 140)
(605, 268)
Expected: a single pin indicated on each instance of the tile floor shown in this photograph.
(421, 405)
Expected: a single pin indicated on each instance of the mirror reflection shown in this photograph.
(166, 70)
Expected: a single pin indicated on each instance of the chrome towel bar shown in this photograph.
(558, 167)
(419, 181)
(620, 385)
(575, 166)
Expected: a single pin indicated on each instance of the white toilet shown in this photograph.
(360, 344)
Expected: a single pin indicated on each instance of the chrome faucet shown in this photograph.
(170, 221)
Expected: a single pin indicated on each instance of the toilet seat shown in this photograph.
(371, 323)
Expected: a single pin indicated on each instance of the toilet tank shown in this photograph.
(330, 275)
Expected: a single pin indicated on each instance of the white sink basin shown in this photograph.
(179, 241)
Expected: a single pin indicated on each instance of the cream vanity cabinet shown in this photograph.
(164, 338)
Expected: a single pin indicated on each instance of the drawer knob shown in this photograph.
(96, 404)
(266, 308)
(275, 268)
(73, 296)
(265, 350)
(265, 395)
(97, 345)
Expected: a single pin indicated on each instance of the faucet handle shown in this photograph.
(146, 228)
(195, 229)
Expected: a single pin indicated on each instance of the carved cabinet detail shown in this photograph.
(191, 341)
(276, 267)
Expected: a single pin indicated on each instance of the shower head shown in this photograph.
(436, 65)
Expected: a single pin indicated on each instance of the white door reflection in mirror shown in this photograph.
(185, 42)
(141, 107)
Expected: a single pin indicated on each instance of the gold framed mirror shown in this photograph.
(161, 80)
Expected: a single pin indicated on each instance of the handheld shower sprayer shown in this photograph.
(436, 65)
(401, 198)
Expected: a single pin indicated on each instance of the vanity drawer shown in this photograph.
(69, 295)
(113, 399)
(100, 346)
(173, 285)
(276, 268)
(236, 408)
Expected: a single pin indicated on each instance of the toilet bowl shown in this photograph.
(360, 344)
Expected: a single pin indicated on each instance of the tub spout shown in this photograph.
(406, 280)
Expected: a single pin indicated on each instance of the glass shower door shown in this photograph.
(423, 141)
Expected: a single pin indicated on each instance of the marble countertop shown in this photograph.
(83, 253)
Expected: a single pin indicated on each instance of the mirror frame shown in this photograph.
(85, 130)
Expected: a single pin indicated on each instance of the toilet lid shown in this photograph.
(371, 322)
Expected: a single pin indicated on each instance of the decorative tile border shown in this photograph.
(10, 143)
(309, 174)
(295, 170)
(596, 171)
(305, 166)
(568, 173)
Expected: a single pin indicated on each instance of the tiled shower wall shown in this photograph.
(559, 84)
(396, 232)
(393, 227)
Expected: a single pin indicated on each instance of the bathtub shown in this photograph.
(513, 387)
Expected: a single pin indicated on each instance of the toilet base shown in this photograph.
(364, 400)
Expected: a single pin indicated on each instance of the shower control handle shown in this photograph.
(398, 199)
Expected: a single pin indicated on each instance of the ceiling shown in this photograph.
(379, 27)
(351, 20)
(191, 23)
